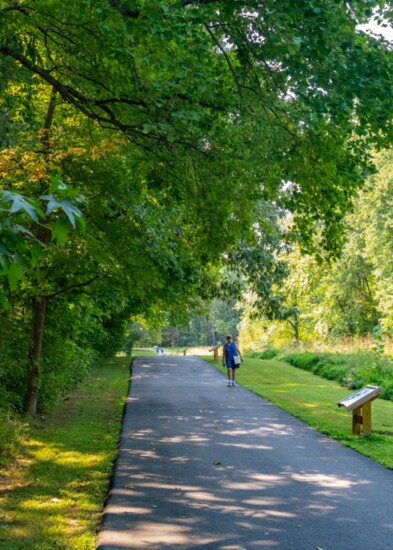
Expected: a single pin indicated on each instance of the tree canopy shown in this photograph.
(145, 144)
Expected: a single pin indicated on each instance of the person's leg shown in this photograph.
(234, 376)
(229, 376)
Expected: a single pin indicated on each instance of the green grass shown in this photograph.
(145, 352)
(313, 400)
(52, 495)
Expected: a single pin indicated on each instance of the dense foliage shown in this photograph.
(347, 298)
(146, 145)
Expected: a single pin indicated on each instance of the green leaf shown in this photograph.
(15, 273)
(20, 203)
(22, 229)
(67, 205)
(5, 251)
(57, 184)
(36, 252)
(60, 230)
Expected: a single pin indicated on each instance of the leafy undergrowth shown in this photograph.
(52, 495)
(314, 401)
(12, 434)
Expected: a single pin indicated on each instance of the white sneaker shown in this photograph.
(234, 383)
(230, 383)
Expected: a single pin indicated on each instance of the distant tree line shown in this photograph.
(221, 318)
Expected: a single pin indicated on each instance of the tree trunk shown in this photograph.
(296, 329)
(295, 325)
(39, 304)
(37, 335)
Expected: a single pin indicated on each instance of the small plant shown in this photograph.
(378, 348)
(12, 430)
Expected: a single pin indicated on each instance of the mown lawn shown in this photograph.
(313, 400)
(52, 496)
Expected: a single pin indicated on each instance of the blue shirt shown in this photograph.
(230, 351)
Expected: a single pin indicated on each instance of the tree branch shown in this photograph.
(16, 7)
(230, 66)
(73, 96)
(71, 287)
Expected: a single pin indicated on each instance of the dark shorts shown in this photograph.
(231, 364)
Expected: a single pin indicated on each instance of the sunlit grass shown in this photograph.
(143, 352)
(314, 400)
(52, 496)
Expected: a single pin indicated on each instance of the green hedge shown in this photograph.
(268, 353)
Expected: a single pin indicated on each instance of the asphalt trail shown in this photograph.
(205, 466)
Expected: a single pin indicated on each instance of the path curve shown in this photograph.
(205, 466)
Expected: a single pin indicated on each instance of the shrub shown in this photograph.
(268, 353)
(387, 392)
(331, 371)
(303, 360)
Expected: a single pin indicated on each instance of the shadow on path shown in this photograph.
(205, 466)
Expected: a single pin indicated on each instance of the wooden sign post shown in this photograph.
(215, 349)
(360, 405)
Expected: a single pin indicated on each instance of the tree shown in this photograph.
(296, 80)
(203, 112)
(374, 223)
(347, 297)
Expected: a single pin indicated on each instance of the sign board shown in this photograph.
(217, 346)
(357, 399)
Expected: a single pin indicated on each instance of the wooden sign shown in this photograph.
(360, 405)
(360, 397)
(215, 349)
(216, 346)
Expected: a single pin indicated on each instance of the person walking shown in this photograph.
(231, 357)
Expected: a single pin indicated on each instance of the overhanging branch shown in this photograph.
(71, 287)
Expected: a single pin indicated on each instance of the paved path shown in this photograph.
(205, 466)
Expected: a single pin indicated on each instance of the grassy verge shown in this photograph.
(353, 370)
(143, 352)
(313, 400)
(52, 495)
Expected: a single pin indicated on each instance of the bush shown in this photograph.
(268, 353)
(331, 371)
(64, 366)
(387, 392)
(303, 360)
